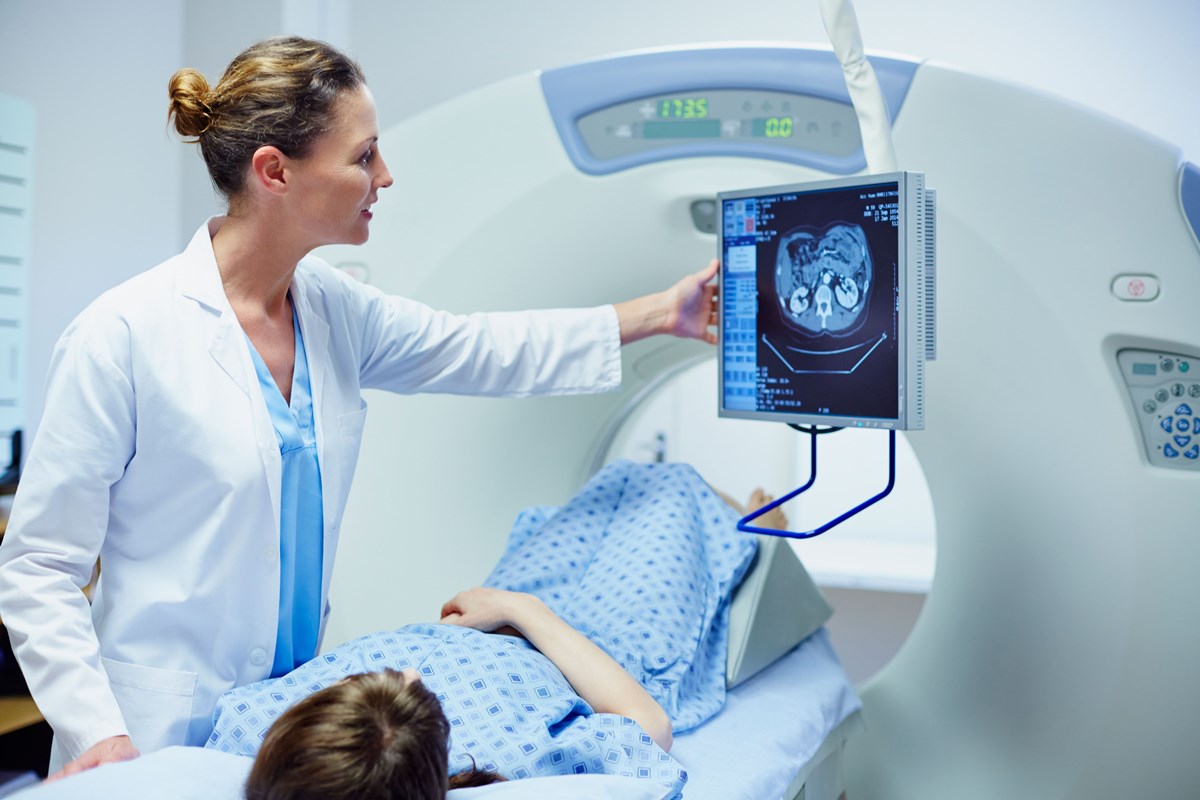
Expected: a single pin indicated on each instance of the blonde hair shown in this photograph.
(373, 736)
(280, 92)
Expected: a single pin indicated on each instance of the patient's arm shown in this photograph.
(598, 679)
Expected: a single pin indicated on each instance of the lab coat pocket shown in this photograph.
(352, 424)
(350, 432)
(156, 703)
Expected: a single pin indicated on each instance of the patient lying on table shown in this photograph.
(609, 619)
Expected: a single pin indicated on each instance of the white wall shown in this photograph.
(106, 183)
(210, 41)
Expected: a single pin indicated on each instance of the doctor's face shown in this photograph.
(338, 181)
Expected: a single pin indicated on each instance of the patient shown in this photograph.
(385, 735)
(540, 697)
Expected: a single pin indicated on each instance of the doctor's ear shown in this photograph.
(267, 169)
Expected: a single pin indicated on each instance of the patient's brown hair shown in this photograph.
(375, 736)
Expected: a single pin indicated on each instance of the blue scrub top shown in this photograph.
(301, 520)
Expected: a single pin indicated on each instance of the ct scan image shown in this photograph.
(823, 279)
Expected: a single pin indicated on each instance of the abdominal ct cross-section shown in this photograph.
(823, 279)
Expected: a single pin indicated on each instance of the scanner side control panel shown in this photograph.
(1165, 390)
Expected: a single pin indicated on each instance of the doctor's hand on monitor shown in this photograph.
(688, 310)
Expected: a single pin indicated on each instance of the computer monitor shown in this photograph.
(827, 301)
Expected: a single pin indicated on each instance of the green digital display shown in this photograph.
(705, 121)
(682, 129)
(683, 108)
(774, 127)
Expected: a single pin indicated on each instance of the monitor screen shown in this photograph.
(827, 301)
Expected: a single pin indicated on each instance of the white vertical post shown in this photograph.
(841, 23)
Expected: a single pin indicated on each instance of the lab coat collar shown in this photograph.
(200, 278)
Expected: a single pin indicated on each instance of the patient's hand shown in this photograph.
(488, 610)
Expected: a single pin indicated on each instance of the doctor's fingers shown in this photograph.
(115, 748)
(709, 272)
(74, 768)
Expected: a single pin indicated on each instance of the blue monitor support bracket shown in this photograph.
(744, 523)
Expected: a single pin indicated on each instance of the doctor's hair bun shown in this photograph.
(189, 110)
(280, 92)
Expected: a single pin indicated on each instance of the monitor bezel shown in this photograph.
(910, 349)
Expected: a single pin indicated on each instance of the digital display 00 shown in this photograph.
(774, 127)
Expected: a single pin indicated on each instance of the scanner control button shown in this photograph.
(1177, 390)
(1170, 452)
(1184, 408)
(1149, 406)
(1135, 287)
(1182, 441)
(1167, 424)
(1182, 425)
(1166, 365)
(1196, 426)
(1193, 453)
(1161, 395)
(1194, 390)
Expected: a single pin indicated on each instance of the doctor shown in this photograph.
(202, 420)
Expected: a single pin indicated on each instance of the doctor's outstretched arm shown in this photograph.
(688, 310)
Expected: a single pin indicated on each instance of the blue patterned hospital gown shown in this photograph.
(509, 707)
(642, 560)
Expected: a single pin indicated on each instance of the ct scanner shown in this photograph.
(1056, 656)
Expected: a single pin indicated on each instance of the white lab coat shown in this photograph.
(157, 454)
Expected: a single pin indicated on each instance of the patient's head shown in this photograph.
(379, 735)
